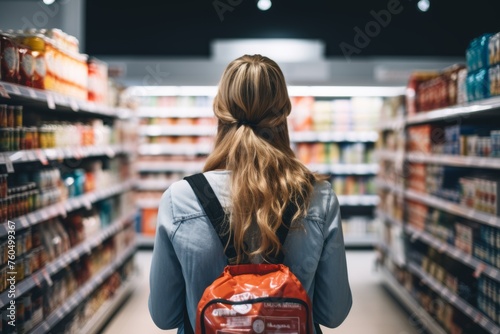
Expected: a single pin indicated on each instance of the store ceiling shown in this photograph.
(186, 28)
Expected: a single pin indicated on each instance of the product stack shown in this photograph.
(67, 237)
(451, 212)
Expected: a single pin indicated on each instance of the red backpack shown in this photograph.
(249, 298)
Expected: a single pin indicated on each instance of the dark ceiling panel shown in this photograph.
(185, 28)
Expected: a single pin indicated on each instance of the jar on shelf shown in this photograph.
(26, 62)
(37, 43)
(9, 58)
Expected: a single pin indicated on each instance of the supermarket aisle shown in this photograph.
(373, 312)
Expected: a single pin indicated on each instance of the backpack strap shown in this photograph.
(206, 195)
(216, 214)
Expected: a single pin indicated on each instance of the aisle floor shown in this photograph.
(374, 311)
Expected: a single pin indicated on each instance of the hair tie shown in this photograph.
(244, 122)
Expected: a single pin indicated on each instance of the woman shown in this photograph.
(254, 174)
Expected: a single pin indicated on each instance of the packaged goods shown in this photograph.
(9, 58)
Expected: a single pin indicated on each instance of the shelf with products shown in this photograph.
(99, 319)
(63, 208)
(474, 315)
(479, 266)
(187, 149)
(329, 136)
(77, 298)
(188, 166)
(454, 160)
(359, 231)
(62, 261)
(332, 134)
(153, 184)
(36, 98)
(454, 208)
(410, 303)
(357, 169)
(50, 154)
(484, 107)
(177, 130)
(448, 165)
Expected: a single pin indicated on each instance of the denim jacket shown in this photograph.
(188, 255)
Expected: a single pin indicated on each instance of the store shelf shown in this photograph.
(48, 154)
(175, 112)
(147, 203)
(62, 208)
(106, 311)
(177, 130)
(145, 241)
(82, 293)
(190, 167)
(43, 275)
(349, 169)
(454, 160)
(475, 315)
(358, 200)
(454, 208)
(443, 247)
(462, 111)
(367, 240)
(388, 218)
(333, 136)
(389, 155)
(389, 185)
(153, 185)
(175, 149)
(53, 101)
(411, 304)
(393, 124)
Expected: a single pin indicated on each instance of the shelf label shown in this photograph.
(3, 92)
(47, 277)
(15, 89)
(479, 270)
(50, 101)
(74, 105)
(8, 164)
(41, 157)
(31, 93)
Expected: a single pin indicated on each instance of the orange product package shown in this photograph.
(148, 221)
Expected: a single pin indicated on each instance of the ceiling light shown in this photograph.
(49, 2)
(423, 5)
(264, 4)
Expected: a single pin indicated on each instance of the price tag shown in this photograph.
(109, 152)
(32, 93)
(479, 270)
(15, 89)
(74, 105)
(31, 156)
(47, 277)
(3, 92)
(50, 101)
(8, 164)
(41, 157)
(62, 210)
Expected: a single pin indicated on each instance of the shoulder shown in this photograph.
(323, 200)
(181, 200)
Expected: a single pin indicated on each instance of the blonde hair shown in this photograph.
(252, 141)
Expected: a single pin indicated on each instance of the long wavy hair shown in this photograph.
(252, 141)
